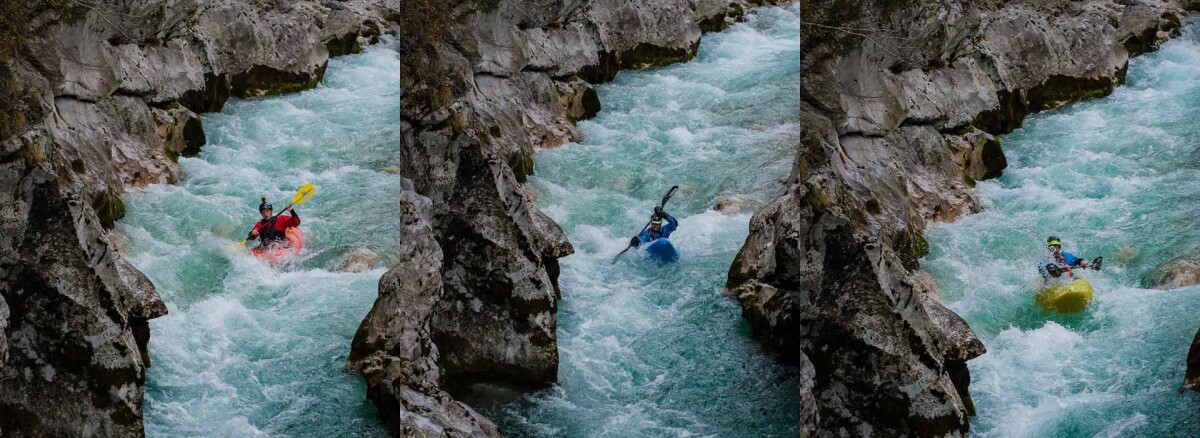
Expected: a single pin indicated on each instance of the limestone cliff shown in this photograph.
(902, 103)
(485, 83)
(100, 97)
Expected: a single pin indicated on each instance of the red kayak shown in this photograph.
(276, 252)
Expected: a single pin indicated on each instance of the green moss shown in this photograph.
(267, 81)
(910, 246)
(646, 55)
(109, 208)
(488, 6)
(344, 45)
(522, 165)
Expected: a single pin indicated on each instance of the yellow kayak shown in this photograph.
(1065, 297)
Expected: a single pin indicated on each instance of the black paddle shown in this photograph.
(665, 198)
(1056, 272)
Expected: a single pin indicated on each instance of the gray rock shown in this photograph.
(480, 99)
(1182, 271)
(92, 107)
(899, 114)
(394, 347)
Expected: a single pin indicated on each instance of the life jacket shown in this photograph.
(269, 235)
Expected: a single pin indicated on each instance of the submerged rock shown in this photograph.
(1182, 271)
(731, 204)
(359, 260)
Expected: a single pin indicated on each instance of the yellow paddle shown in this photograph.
(303, 194)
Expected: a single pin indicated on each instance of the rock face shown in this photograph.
(1191, 378)
(1182, 271)
(901, 106)
(100, 97)
(485, 84)
(394, 346)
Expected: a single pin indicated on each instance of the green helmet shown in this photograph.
(1053, 241)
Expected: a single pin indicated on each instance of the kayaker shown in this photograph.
(1056, 262)
(657, 229)
(273, 229)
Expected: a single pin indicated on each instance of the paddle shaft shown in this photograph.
(665, 198)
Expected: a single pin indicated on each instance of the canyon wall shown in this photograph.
(97, 98)
(902, 103)
(484, 85)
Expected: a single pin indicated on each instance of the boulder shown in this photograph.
(731, 204)
(358, 260)
(1182, 271)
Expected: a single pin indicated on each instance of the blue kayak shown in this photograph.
(662, 251)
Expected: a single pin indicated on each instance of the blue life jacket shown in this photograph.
(1049, 259)
(667, 229)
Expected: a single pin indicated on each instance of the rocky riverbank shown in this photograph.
(902, 104)
(485, 84)
(99, 98)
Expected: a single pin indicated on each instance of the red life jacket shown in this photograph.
(275, 232)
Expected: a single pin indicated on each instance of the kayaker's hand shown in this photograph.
(635, 242)
(1084, 263)
(288, 208)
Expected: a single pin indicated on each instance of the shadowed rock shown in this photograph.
(394, 348)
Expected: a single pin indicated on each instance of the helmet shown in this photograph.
(265, 205)
(1053, 241)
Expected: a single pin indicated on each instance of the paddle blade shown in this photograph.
(303, 194)
(243, 242)
(668, 196)
(1097, 263)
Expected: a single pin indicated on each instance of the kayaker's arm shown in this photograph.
(643, 237)
(671, 225)
(254, 232)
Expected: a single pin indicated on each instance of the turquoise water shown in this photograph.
(652, 350)
(248, 349)
(1117, 177)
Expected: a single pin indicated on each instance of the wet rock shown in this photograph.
(1191, 377)
(93, 106)
(731, 204)
(895, 132)
(1182, 271)
(359, 260)
(394, 348)
(517, 78)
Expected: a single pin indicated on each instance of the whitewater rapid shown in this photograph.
(660, 350)
(248, 349)
(1117, 177)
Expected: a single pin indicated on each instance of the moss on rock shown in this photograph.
(521, 164)
(645, 55)
(109, 208)
(267, 81)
